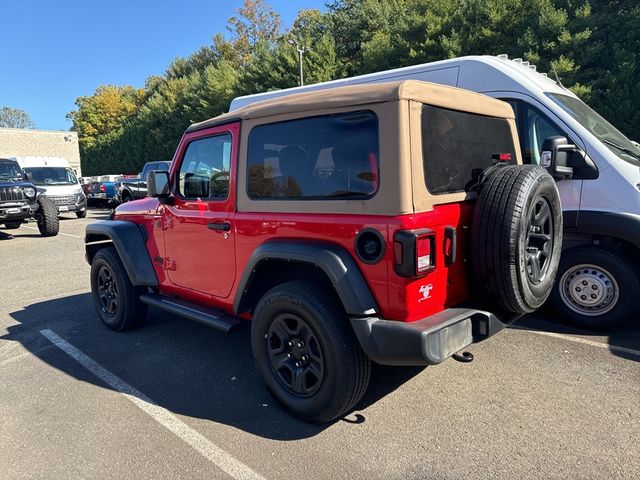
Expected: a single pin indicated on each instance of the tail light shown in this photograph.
(103, 188)
(415, 252)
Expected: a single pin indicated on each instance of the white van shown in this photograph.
(54, 178)
(599, 282)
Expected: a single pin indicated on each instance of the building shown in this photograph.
(18, 142)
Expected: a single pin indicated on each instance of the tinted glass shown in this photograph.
(52, 175)
(457, 146)
(598, 126)
(10, 170)
(538, 127)
(204, 172)
(324, 157)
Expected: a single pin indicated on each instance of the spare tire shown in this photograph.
(517, 237)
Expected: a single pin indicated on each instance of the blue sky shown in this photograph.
(54, 51)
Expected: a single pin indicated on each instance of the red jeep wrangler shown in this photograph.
(390, 222)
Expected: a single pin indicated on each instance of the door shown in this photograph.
(533, 128)
(199, 231)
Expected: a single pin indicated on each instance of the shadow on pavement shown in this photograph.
(622, 339)
(11, 234)
(185, 367)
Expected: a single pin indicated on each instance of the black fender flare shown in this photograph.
(340, 268)
(625, 226)
(129, 240)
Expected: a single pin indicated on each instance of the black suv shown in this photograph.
(19, 200)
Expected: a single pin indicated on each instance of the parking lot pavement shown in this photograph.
(174, 399)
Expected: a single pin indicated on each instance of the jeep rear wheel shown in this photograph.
(307, 353)
(47, 217)
(517, 237)
(116, 300)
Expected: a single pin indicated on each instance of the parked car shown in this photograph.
(85, 184)
(134, 188)
(55, 179)
(103, 190)
(600, 272)
(20, 201)
(389, 222)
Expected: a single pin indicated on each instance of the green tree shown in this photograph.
(255, 22)
(104, 111)
(15, 118)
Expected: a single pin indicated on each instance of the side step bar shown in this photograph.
(212, 318)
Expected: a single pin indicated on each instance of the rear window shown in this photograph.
(324, 157)
(457, 146)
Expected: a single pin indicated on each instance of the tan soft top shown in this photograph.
(354, 95)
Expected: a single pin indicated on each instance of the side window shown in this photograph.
(533, 128)
(204, 172)
(324, 157)
(457, 146)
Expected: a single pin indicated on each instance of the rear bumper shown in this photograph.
(428, 341)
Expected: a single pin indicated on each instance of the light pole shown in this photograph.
(301, 51)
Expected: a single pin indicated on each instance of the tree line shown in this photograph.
(592, 45)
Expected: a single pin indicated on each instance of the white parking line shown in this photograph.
(584, 341)
(59, 233)
(209, 450)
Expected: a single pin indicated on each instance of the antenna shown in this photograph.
(558, 82)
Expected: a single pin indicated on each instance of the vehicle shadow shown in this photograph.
(623, 342)
(11, 234)
(185, 367)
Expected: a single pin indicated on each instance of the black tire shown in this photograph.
(47, 217)
(335, 373)
(613, 284)
(116, 300)
(126, 197)
(514, 263)
(81, 214)
(12, 225)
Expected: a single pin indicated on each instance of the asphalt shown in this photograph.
(539, 401)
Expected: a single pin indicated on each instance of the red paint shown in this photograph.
(208, 265)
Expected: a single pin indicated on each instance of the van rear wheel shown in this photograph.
(517, 237)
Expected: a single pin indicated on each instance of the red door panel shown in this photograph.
(199, 228)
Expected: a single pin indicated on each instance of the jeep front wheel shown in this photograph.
(597, 288)
(307, 353)
(47, 217)
(116, 300)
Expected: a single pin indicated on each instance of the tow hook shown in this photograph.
(464, 357)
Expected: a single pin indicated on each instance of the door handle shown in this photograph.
(220, 226)
(451, 235)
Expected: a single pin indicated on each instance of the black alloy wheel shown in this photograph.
(539, 243)
(295, 356)
(107, 291)
(306, 351)
(117, 301)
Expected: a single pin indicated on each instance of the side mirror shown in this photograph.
(158, 184)
(559, 157)
(28, 176)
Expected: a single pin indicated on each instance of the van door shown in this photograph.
(534, 127)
